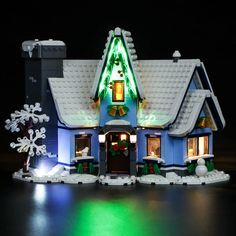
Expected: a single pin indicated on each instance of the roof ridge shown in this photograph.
(129, 46)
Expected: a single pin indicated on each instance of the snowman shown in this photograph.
(201, 169)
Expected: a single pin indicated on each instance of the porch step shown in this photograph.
(117, 179)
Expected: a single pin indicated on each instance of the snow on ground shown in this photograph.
(117, 180)
(214, 176)
(79, 179)
(58, 175)
(153, 179)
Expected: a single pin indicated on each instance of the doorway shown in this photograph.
(118, 153)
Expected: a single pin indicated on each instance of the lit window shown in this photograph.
(154, 146)
(203, 145)
(192, 147)
(82, 145)
(118, 91)
(197, 146)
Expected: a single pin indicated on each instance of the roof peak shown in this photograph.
(127, 41)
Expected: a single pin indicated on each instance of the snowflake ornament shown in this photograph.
(21, 117)
(26, 144)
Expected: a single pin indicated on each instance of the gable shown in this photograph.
(119, 51)
(200, 109)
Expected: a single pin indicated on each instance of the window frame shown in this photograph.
(149, 136)
(197, 138)
(113, 90)
(85, 136)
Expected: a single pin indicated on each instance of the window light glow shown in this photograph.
(123, 137)
(198, 146)
(154, 146)
(118, 91)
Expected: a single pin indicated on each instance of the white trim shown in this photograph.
(207, 111)
(117, 122)
(83, 158)
(69, 167)
(189, 159)
(154, 158)
(173, 168)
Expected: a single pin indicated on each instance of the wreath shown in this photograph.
(119, 148)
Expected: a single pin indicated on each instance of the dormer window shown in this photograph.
(118, 91)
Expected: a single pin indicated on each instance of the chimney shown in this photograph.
(176, 55)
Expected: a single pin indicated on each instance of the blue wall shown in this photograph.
(66, 143)
(129, 102)
(173, 149)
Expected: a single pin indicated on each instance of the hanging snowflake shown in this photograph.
(23, 116)
(28, 144)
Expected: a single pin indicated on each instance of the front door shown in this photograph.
(118, 153)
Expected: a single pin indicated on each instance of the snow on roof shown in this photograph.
(189, 112)
(165, 84)
(71, 93)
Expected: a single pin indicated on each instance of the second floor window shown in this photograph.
(118, 92)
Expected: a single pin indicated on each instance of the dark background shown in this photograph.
(198, 29)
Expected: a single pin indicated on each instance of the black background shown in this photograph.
(198, 29)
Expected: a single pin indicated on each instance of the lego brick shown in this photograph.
(71, 93)
(132, 56)
(165, 84)
(43, 49)
(190, 111)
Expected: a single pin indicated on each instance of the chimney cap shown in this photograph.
(176, 55)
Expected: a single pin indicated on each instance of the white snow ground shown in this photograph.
(58, 175)
(214, 176)
(117, 180)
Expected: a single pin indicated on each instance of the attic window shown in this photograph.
(118, 91)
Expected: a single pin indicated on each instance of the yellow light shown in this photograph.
(201, 145)
(133, 138)
(123, 137)
(102, 138)
(118, 91)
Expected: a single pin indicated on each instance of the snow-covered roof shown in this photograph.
(33, 43)
(128, 41)
(189, 112)
(168, 102)
(71, 94)
(165, 84)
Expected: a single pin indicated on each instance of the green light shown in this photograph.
(117, 51)
(116, 218)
